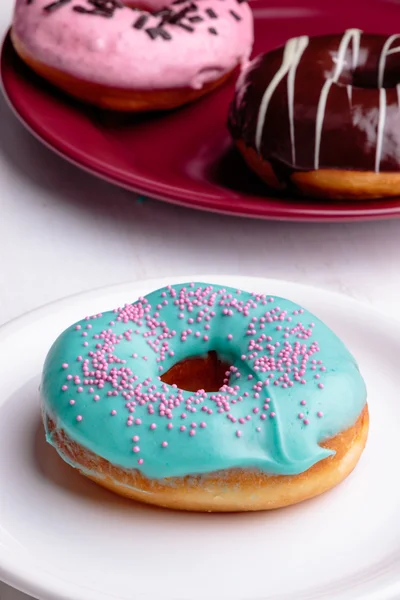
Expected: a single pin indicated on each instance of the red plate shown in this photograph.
(186, 156)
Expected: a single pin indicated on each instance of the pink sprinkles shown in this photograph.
(283, 363)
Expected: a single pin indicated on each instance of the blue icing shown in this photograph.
(112, 362)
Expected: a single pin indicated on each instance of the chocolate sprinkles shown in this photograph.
(109, 5)
(164, 34)
(177, 17)
(54, 5)
(235, 15)
(155, 32)
(94, 11)
(211, 13)
(167, 16)
(152, 32)
(164, 12)
(141, 22)
(186, 27)
(195, 19)
(101, 8)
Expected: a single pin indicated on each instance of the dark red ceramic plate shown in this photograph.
(186, 156)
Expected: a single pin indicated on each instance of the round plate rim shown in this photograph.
(11, 571)
(159, 191)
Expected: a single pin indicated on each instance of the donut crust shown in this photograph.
(116, 99)
(330, 184)
(233, 490)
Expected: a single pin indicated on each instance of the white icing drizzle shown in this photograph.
(292, 53)
(384, 54)
(349, 93)
(381, 128)
(393, 50)
(350, 36)
(320, 119)
(302, 45)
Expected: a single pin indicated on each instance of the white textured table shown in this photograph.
(62, 232)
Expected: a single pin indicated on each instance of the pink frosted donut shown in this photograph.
(126, 58)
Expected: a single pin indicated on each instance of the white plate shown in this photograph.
(63, 538)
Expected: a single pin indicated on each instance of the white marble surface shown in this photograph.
(63, 232)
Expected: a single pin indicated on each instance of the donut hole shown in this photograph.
(194, 373)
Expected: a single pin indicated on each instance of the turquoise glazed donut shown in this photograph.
(291, 385)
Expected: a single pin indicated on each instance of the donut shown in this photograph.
(116, 56)
(205, 398)
(321, 116)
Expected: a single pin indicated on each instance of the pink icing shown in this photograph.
(110, 51)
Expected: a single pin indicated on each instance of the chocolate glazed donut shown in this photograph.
(321, 116)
